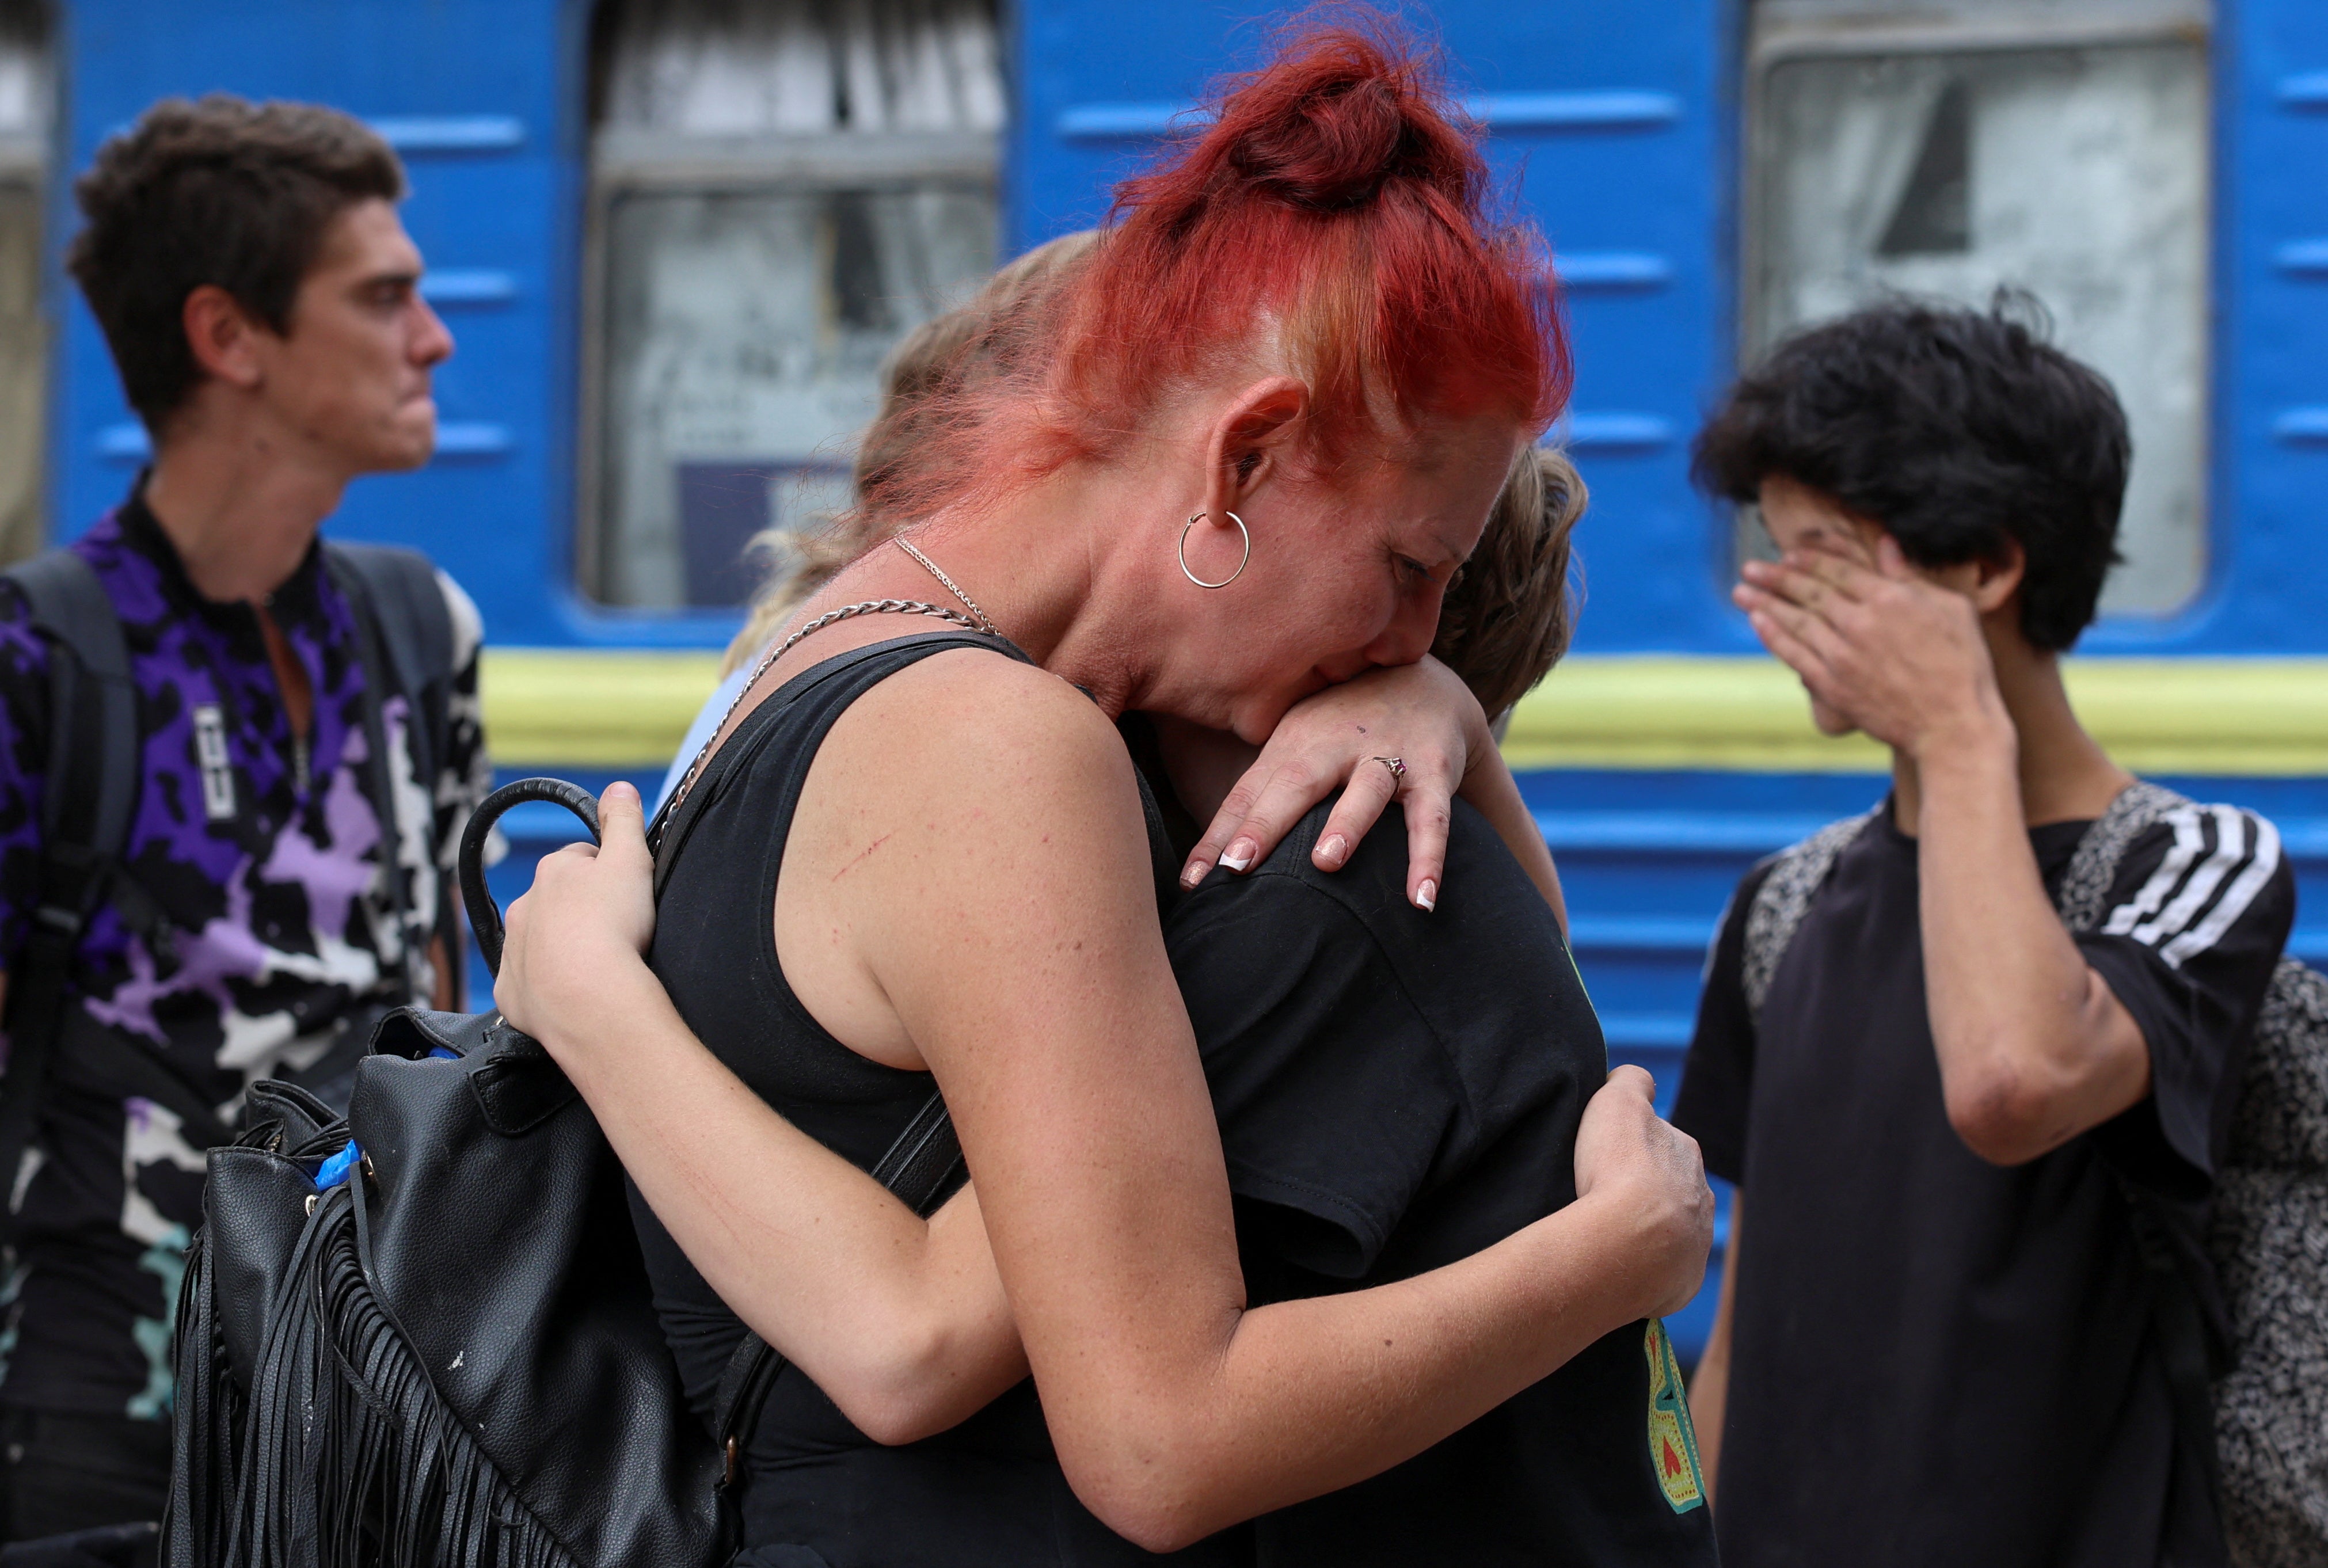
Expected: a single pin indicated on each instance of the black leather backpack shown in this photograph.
(421, 1334)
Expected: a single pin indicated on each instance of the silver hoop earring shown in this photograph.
(1194, 519)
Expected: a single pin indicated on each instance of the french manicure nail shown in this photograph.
(1335, 847)
(1195, 873)
(1239, 855)
(1426, 897)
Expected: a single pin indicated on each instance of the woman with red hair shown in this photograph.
(1232, 462)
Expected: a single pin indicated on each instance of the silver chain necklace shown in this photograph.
(975, 621)
(950, 587)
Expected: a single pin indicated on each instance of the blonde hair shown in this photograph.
(939, 356)
(1508, 613)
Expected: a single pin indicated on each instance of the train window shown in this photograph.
(781, 190)
(24, 116)
(2059, 146)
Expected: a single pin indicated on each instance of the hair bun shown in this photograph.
(1330, 127)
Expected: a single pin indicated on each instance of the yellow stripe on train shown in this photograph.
(627, 709)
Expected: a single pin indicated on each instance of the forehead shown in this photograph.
(367, 237)
(1795, 513)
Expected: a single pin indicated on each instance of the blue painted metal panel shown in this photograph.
(479, 96)
(1614, 269)
(457, 286)
(1616, 135)
(2270, 535)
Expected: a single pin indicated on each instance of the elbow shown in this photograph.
(1147, 1514)
(893, 1417)
(2004, 1116)
(1146, 1481)
(901, 1396)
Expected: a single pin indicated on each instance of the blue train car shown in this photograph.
(674, 238)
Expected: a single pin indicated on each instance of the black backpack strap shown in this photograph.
(920, 1168)
(98, 1059)
(415, 629)
(1797, 875)
(404, 642)
(88, 793)
(2193, 1342)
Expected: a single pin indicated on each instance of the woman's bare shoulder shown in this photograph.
(993, 706)
(970, 735)
(974, 824)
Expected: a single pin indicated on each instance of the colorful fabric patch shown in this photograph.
(1673, 1441)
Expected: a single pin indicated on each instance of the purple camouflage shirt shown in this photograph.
(265, 854)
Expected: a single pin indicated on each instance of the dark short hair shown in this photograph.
(222, 191)
(1954, 431)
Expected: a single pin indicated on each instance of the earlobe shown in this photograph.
(1243, 557)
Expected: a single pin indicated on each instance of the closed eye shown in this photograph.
(1412, 572)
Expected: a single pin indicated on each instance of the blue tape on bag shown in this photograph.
(335, 1169)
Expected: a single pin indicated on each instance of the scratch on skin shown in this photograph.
(861, 854)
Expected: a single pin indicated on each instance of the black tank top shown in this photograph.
(988, 1493)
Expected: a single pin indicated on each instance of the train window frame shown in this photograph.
(1784, 33)
(828, 171)
(626, 163)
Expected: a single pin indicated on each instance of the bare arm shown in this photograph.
(2033, 1047)
(1709, 1386)
(1491, 789)
(1002, 915)
(903, 1322)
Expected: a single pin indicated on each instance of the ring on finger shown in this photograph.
(1397, 766)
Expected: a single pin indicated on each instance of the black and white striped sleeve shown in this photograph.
(2196, 918)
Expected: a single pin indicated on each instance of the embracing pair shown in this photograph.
(1301, 1187)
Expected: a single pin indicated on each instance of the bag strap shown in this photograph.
(919, 1168)
(382, 590)
(2093, 865)
(1796, 877)
(93, 1056)
(2194, 1349)
(90, 789)
(416, 631)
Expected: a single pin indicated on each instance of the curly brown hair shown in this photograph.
(222, 191)
(1508, 613)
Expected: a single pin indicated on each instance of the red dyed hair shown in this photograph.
(1332, 222)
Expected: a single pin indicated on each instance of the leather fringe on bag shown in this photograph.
(422, 1337)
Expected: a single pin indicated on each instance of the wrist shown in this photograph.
(1622, 1235)
(600, 997)
(1978, 736)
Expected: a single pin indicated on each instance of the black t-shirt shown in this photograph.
(1936, 1360)
(1396, 1091)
